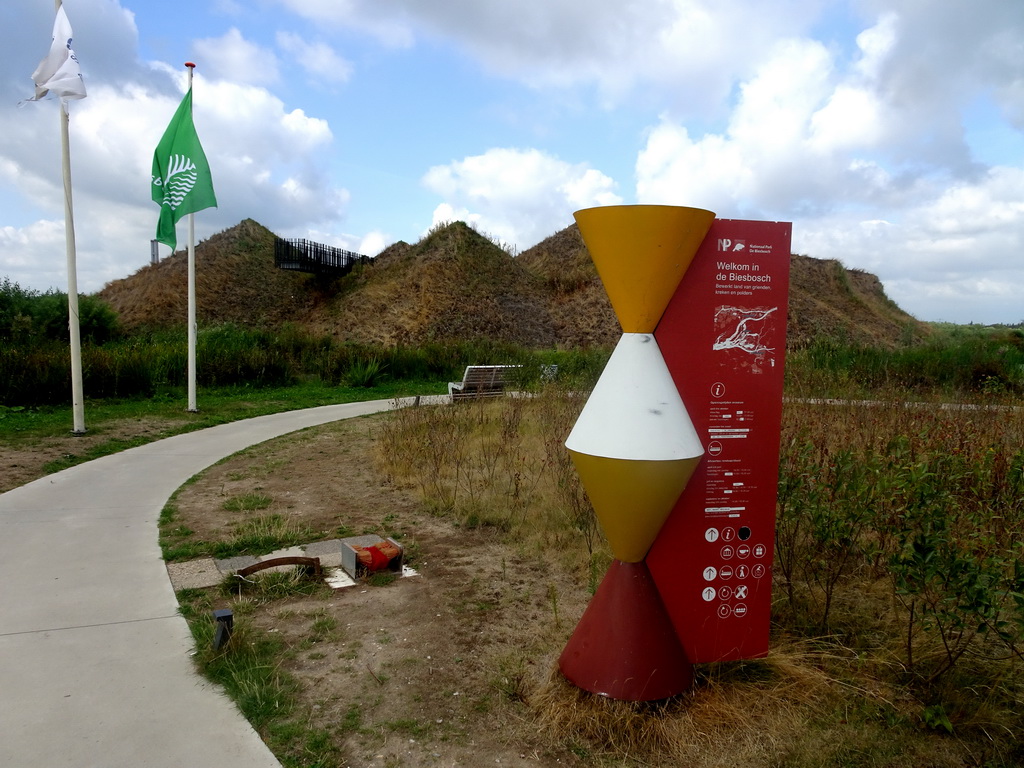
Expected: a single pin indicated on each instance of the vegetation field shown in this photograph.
(898, 614)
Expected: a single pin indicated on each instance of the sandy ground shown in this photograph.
(21, 463)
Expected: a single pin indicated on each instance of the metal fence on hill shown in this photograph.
(307, 256)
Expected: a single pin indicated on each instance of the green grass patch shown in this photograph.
(27, 425)
(265, 586)
(249, 669)
(248, 502)
(256, 536)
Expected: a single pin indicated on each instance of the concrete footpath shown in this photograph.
(95, 668)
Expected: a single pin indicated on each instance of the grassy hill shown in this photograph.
(455, 284)
(827, 299)
(236, 281)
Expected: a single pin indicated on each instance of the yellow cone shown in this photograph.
(632, 499)
(641, 253)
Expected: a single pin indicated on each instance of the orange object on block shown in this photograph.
(378, 556)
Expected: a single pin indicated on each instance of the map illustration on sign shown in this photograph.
(746, 329)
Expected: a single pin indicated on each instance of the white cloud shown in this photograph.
(517, 196)
(372, 243)
(229, 7)
(765, 160)
(35, 249)
(711, 173)
(383, 21)
(321, 61)
(693, 48)
(232, 57)
(930, 61)
(875, 45)
(850, 120)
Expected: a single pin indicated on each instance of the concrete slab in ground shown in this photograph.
(208, 572)
(329, 552)
(194, 574)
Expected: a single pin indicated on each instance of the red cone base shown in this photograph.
(624, 646)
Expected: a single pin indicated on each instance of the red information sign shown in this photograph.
(723, 337)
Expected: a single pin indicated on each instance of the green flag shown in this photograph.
(181, 176)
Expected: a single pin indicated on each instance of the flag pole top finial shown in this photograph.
(190, 65)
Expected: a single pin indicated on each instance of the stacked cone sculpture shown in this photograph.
(635, 449)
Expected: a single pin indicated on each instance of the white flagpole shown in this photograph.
(77, 394)
(192, 407)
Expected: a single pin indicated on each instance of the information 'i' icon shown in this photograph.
(634, 448)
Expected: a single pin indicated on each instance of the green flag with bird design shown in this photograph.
(181, 174)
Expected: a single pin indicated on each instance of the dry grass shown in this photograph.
(500, 464)
(781, 710)
(827, 300)
(837, 692)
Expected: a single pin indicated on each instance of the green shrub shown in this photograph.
(365, 373)
(954, 365)
(28, 316)
(920, 512)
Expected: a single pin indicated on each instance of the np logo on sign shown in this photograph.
(730, 245)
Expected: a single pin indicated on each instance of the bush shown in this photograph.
(954, 365)
(920, 514)
(27, 316)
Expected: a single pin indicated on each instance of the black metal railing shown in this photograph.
(307, 256)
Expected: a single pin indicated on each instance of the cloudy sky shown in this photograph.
(890, 132)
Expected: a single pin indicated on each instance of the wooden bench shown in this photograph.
(480, 381)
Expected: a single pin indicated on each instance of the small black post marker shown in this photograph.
(225, 623)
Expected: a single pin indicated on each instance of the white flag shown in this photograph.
(59, 72)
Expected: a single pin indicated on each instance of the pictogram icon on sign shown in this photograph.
(760, 550)
(710, 573)
(709, 594)
(741, 591)
(711, 534)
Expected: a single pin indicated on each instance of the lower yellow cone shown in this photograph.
(632, 498)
